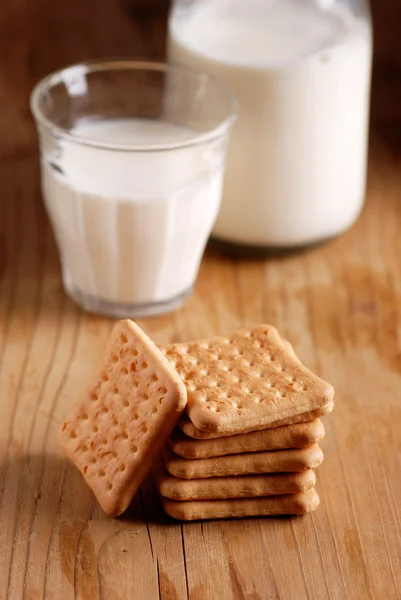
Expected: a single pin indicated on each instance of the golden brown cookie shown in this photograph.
(278, 461)
(186, 425)
(248, 380)
(293, 504)
(289, 436)
(125, 418)
(223, 488)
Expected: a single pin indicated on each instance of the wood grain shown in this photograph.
(340, 305)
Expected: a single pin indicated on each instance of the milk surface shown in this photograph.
(301, 72)
(131, 226)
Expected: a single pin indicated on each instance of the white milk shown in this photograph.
(297, 159)
(131, 226)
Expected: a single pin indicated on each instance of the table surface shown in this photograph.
(339, 304)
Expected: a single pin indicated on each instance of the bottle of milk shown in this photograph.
(301, 72)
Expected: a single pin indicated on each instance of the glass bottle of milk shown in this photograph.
(301, 70)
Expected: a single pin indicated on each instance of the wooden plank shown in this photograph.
(339, 304)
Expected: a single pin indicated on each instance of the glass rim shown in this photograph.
(120, 64)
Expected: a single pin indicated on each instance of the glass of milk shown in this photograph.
(132, 159)
(300, 70)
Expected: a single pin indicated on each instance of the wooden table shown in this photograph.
(340, 305)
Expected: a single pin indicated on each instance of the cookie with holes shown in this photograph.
(249, 380)
(125, 418)
(189, 429)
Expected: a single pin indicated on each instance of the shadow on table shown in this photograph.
(218, 249)
(52, 484)
(146, 505)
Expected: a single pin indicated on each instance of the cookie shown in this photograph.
(292, 504)
(289, 436)
(248, 380)
(279, 461)
(186, 425)
(125, 418)
(247, 486)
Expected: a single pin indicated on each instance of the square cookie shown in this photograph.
(223, 488)
(125, 418)
(288, 436)
(251, 379)
(276, 461)
(292, 504)
(186, 425)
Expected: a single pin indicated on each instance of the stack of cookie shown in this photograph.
(246, 445)
(248, 442)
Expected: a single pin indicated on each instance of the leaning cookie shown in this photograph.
(119, 426)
